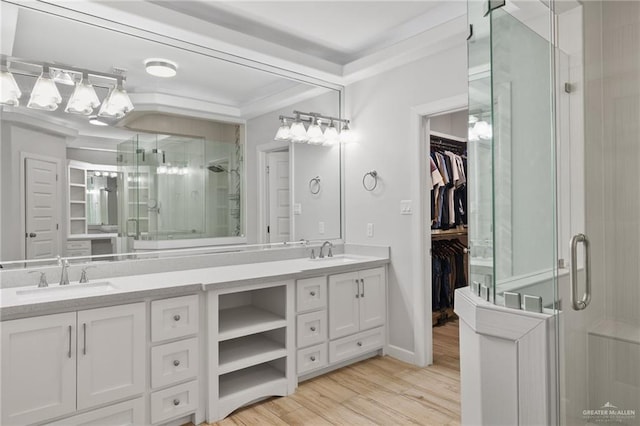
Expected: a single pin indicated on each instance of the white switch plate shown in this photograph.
(406, 207)
(297, 208)
(321, 228)
(369, 229)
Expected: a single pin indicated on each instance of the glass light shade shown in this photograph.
(117, 104)
(314, 133)
(83, 100)
(347, 135)
(9, 90)
(483, 130)
(62, 77)
(473, 135)
(331, 136)
(45, 95)
(161, 170)
(283, 133)
(298, 132)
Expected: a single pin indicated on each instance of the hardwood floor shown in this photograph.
(377, 391)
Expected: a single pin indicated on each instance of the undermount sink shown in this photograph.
(71, 290)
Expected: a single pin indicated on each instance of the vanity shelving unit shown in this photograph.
(77, 214)
(252, 347)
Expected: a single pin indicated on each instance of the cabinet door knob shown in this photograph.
(359, 343)
(312, 358)
(313, 293)
(176, 402)
(176, 317)
(313, 329)
(176, 362)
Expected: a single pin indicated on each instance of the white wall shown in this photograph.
(380, 109)
(308, 162)
(92, 156)
(17, 139)
(454, 124)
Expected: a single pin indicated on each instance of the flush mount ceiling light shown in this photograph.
(314, 135)
(9, 91)
(84, 98)
(159, 67)
(45, 94)
(117, 103)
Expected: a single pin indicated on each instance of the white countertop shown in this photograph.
(122, 289)
(96, 236)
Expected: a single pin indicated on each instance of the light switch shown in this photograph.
(406, 207)
(321, 228)
(369, 230)
(297, 208)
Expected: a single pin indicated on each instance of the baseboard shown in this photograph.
(401, 354)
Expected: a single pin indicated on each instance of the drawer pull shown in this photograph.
(313, 329)
(359, 343)
(176, 362)
(176, 402)
(176, 317)
(312, 358)
(313, 293)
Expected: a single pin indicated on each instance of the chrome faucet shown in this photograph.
(329, 254)
(64, 275)
(83, 275)
(43, 279)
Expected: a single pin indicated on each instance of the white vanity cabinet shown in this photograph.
(311, 324)
(357, 312)
(50, 362)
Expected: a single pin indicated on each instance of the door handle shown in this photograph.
(357, 288)
(32, 235)
(581, 304)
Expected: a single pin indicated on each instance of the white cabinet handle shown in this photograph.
(176, 402)
(176, 317)
(176, 362)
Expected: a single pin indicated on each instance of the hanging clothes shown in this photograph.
(448, 189)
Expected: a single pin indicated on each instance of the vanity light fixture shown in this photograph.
(117, 103)
(45, 94)
(9, 91)
(62, 77)
(84, 98)
(159, 67)
(314, 135)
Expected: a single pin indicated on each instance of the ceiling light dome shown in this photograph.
(161, 67)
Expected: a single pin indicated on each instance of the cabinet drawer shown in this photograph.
(312, 358)
(311, 293)
(176, 317)
(79, 245)
(78, 253)
(352, 346)
(311, 328)
(174, 362)
(176, 401)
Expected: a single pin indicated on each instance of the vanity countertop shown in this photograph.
(14, 303)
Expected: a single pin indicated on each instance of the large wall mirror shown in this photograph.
(101, 156)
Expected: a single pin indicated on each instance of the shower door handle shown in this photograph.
(581, 304)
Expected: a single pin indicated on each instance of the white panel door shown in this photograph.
(343, 305)
(41, 203)
(111, 354)
(278, 178)
(372, 298)
(129, 413)
(38, 368)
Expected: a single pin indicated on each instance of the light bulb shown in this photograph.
(9, 90)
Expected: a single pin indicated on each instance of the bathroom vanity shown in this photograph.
(190, 345)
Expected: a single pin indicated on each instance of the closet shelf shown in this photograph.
(457, 232)
(239, 382)
(248, 351)
(246, 320)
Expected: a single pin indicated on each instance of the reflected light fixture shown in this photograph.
(117, 103)
(84, 98)
(159, 67)
(284, 132)
(45, 94)
(483, 130)
(62, 77)
(331, 136)
(9, 91)
(298, 133)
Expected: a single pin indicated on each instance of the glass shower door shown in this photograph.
(598, 70)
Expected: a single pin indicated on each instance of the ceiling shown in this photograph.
(285, 43)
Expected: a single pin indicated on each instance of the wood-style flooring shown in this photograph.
(377, 391)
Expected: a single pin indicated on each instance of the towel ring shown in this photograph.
(374, 175)
(314, 185)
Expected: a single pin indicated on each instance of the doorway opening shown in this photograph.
(274, 207)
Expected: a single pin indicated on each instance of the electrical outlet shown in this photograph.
(369, 230)
(321, 228)
(406, 207)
